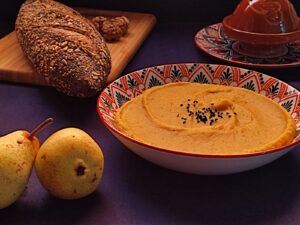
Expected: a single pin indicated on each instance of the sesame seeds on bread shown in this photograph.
(64, 47)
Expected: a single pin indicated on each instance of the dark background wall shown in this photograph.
(185, 10)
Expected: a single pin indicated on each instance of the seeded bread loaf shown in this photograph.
(64, 47)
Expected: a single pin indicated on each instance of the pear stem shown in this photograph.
(40, 127)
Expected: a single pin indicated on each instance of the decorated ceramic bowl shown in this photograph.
(263, 27)
(135, 83)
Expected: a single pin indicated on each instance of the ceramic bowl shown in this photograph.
(133, 84)
(263, 27)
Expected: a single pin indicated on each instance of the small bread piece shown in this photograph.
(112, 29)
(64, 47)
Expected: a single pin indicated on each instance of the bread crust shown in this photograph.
(64, 47)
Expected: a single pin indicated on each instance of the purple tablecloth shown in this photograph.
(134, 191)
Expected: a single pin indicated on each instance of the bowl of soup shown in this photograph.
(202, 118)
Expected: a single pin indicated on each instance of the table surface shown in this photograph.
(134, 191)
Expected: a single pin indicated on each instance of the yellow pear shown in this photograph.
(17, 154)
(69, 164)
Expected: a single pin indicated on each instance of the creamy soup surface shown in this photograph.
(206, 119)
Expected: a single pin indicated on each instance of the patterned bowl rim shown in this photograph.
(239, 63)
(181, 153)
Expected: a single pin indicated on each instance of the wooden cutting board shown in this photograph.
(15, 67)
